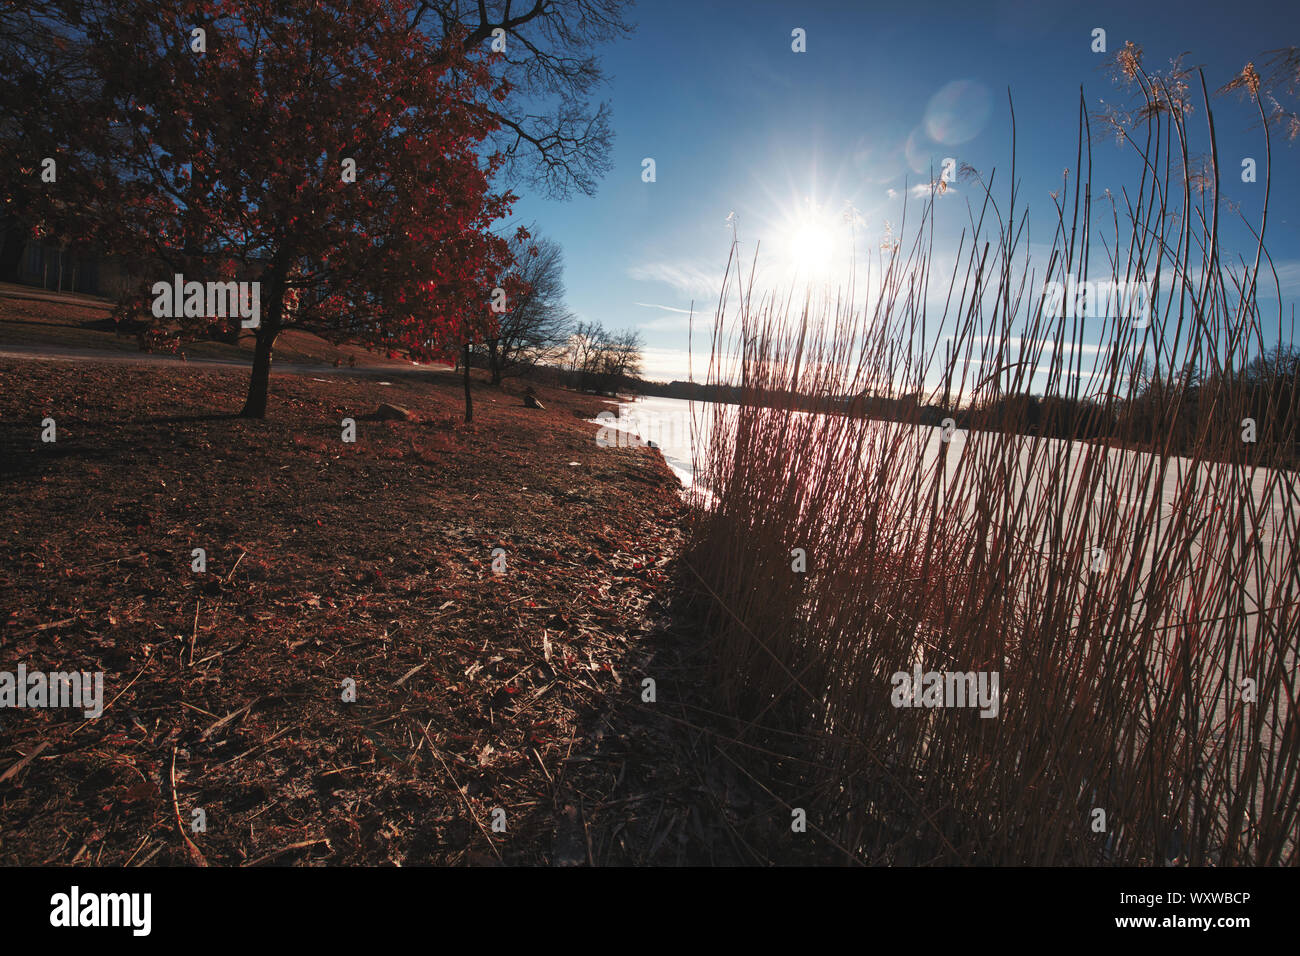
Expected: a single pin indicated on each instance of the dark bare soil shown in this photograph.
(476, 692)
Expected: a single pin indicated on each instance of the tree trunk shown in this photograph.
(12, 244)
(259, 384)
(469, 401)
(272, 302)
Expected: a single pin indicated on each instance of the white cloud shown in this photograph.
(1046, 345)
(921, 190)
(1288, 277)
(668, 365)
(686, 278)
(666, 308)
(676, 320)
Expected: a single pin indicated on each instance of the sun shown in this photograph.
(814, 242)
(812, 246)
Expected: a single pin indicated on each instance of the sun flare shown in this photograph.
(811, 246)
(814, 243)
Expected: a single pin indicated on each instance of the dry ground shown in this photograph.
(327, 561)
(32, 317)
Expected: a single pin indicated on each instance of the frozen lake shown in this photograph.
(1194, 555)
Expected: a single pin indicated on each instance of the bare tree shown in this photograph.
(603, 360)
(44, 62)
(552, 135)
(622, 357)
(537, 325)
(584, 351)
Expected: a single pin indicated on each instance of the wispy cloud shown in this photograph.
(686, 278)
(1288, 277)
(666, 308)
(1045, 345)
(676, 319)
(1044, 370)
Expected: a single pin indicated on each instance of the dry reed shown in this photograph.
(1139, 603)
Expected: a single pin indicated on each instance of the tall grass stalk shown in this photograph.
(1128, 597)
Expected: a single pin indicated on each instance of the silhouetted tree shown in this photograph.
(537, 324)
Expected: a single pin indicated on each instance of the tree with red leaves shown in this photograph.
(310, 145)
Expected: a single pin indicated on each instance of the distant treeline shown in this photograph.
(1256, 402)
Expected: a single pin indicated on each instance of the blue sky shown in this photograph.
(738, 122)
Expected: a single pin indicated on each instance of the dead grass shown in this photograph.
(328, 561)
(1141, 608)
